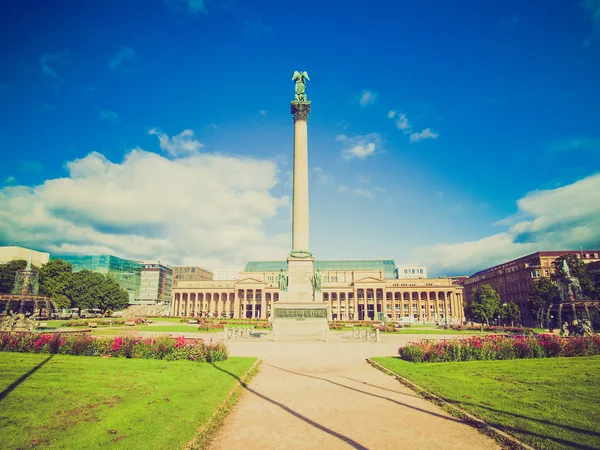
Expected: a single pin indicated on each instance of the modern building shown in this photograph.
(124, 271)
(12, 253)
(352, 289)
(512, 279)
(156, 283)
(412, 272)
(225, 274)
(189, 273)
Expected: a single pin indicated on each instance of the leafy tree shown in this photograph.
(510, 313)
(577, 268)
(542, 293)
(593, 271)
(56, 278)
(7, 274)
(95, 290)
(484, 305)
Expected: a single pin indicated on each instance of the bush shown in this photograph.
(163, 347)
(500, 348)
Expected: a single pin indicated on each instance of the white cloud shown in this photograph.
(343, 188)
(366, 98)
(401, 120)
(262, 112)
(205, 207)
(425, 134)
(181, 144)
(108, 115)
(49, 61)
(10, 180)
(123, 59)
(359, 147)
(564, 218)
(322, 177)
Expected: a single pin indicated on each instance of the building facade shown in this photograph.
(512, 279)
(12, 253)
(126, 272)
(156, 282)
(189, 273)
(225, 274)
(412, 272)
(353, 290)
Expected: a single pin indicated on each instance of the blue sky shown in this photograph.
(455, 135)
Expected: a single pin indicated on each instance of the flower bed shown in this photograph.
(488, 328)
(163, 347)
(499, 347)
(103, 322)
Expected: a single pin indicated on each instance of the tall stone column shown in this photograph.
(300, 111)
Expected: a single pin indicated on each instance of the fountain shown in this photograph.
(30, 304)
(570, 294)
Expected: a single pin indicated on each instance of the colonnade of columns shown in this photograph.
(412, 306)
(344, 304)
(248, 303)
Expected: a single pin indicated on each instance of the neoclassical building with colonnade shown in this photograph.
(352, 289)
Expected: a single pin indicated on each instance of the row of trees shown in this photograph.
(83, 289)
(485, 306)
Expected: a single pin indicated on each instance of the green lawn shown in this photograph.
(547, 403)
(74, 402)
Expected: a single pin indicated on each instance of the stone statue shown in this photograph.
(569, 288)
(282, 280)
(299, 78)
(317, 279)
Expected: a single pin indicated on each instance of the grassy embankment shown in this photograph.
(84, 402)
(547, 403)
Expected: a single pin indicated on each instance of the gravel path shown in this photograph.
(313, 395)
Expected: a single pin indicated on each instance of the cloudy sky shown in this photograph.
(455, 135)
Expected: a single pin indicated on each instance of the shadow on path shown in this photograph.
(22, 378)
(508, 429)
(343, 438)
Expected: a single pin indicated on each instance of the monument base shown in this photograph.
(300, 321)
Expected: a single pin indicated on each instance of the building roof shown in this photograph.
(554, 253)
(387, 265)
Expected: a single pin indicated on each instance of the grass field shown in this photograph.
(547, 403)
(77, 402)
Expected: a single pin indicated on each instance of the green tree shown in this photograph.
(95, 290)
(542, 293)
(484, 304)
(510, 313)
(7, 274)
(593, 271)
(578, 270)
(56, 277)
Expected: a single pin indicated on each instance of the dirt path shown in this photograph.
(317, 395)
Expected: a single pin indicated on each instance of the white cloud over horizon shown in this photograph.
(205, 209)
(564, 218)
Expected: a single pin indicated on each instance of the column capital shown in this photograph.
(300, 110)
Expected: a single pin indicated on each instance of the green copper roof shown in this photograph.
(387, 265)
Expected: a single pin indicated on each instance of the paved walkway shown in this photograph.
(317, 395)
